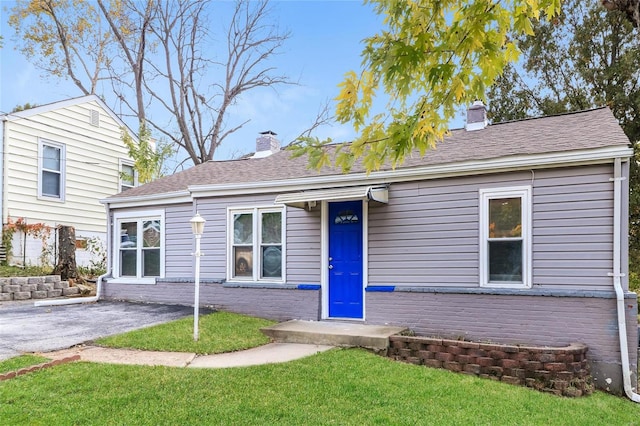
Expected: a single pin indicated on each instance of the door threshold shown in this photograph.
(340, 319)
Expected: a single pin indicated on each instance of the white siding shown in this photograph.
(92, 167)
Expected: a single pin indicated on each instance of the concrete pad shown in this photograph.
(125, 356)
(268, 354)
(333, 333)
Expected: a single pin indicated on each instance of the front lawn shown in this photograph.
(219, 332)
(19, 362)
(348, 386)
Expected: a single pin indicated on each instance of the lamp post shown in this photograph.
(197, 227)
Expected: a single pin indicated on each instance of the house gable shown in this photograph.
(87, 136)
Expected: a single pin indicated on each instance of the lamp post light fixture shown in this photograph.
(197, 227)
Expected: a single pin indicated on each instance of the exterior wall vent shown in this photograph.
(95, 118)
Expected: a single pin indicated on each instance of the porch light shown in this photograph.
(197, 227)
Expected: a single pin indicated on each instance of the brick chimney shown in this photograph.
(476, 117)
(266, 144)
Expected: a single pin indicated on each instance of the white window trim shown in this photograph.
(63, 161)
(125, 216)
(120, 171)
(524, 193)
(255, 211)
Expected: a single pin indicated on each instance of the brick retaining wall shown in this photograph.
(25, 288)
(561, 371)
(30, 369)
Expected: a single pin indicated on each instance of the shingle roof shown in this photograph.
(591, 129)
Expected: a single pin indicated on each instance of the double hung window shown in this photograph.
(128, 176)
(256, 250)
(51, 174)
(505, 237)
(140, 246)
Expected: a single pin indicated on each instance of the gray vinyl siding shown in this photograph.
(214, 241)
(179, 242)
(428, 234)
(302, 239)
(573, 228)
(303, 246)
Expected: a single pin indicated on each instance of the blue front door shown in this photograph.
(345, 260)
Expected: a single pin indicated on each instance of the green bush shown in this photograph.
(634, 282)
(29, 271)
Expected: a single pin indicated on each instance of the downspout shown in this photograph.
(91, 299)
(617, 285)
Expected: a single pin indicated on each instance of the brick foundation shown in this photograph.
(25, 288)
(561, 371)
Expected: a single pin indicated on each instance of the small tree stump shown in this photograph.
(66, 266)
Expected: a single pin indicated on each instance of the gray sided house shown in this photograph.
(510, 233)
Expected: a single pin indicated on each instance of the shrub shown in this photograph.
(634, 282)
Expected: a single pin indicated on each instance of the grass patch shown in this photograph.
(347, 386)
(29, 271)
(21, 361)
(219, 332)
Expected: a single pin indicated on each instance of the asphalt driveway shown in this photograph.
(26, 328)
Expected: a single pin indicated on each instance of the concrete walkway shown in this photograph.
(291, 340)
(268, 354)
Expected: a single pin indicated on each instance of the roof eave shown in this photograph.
(465, 168)
(176, 197)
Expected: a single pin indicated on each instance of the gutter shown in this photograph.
(617, 285)
(603, 155)
(91, 299)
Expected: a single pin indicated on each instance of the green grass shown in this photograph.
(29, 271)
(21, 361)
(347, 387)
(219, 332)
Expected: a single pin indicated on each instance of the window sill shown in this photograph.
(135, 281)
(253, 284)
(512, 286)
(51, 198)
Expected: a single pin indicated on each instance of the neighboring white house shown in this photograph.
(57, 161)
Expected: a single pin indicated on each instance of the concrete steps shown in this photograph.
(332, 333)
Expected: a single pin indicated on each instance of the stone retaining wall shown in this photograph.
(561, 371)
(24, 288)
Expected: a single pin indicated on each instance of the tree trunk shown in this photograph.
(66, 266)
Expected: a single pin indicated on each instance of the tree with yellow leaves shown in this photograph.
(432, 57)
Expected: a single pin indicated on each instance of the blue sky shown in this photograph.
(325, 43)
